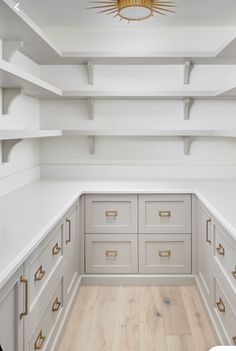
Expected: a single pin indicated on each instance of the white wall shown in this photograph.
(23, 167)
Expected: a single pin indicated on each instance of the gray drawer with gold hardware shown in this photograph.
(42, 263)
(165, 214)
(225, 254)
(42, 333)
(111, 253)
(224, 312)
(165, 253)
(111, 214)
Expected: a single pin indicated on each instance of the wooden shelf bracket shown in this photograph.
(187, 144)
(91, 142)
(187, 71)
(8, 96)
(91, 108)
(7, 146)
(90, 70)
(10, 47)
(187, 106)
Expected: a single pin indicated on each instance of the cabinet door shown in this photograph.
(71, 251)
(11, 307)
(205, 252)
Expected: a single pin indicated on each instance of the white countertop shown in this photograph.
(28, 214)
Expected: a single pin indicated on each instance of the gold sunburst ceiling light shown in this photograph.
(133, 10)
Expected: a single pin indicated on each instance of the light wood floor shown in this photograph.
(145, 318)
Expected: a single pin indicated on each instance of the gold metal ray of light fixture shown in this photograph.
(133, 10)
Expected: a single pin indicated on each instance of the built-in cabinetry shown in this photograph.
(138, 234)
(37, 298)
(217, 273)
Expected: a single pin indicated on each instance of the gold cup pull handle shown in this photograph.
(69, 238)
(39, 341)
(165, 214)
(26, 296)
(220, 249)
(111, 214)
(39, 274)
(208, 221)
(56, 305)
(111, 253)
(220, 305)
(234, 273)
(234, 340)
(56, 249)
(165, 253)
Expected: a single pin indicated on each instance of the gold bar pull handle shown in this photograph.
(111, 253)
(39, 274)
(234, 340)
(220, 249)
(26, 296)
(39, 341)
(69, 238)
(111, 214)
(234, 273)
(164, 214)
(220, 305)
(56, 249)
(165, 253)
(208, 221)
(56, 305)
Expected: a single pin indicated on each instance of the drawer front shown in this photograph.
(111, 253)
(224, 312)
(41, 335)
(164, 253)
(225, 255)
(165, 214)
(111, 214)
(42, 263)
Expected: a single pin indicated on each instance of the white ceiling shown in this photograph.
(57, 13)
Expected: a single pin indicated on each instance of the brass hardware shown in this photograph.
(69, 239)
(56, 249)
(220, 249)
(39, 274)
(165, 213)
(111, 214)
(165, 253)
(220, 305)
(39, 341)
(234, 273)
(56, 305)
(26, 295)
(111, 253)
(207, 230)
(234, 340)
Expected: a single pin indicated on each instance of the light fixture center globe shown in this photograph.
(135, 10)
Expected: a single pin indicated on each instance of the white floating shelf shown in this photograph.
(16, 25)
(10, 138)
(14, 77)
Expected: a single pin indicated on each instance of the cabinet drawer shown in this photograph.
(41, 335)
(161, 253)
(224, 312)
(225, 255)
(111, 253)
(111, 214)
(43, 262)
(165, 214)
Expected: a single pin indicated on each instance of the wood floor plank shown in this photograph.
(152, 335)
(180, 343)
(200, 328)
(126, 336)
(174, 314)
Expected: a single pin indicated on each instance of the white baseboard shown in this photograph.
(138, 279)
